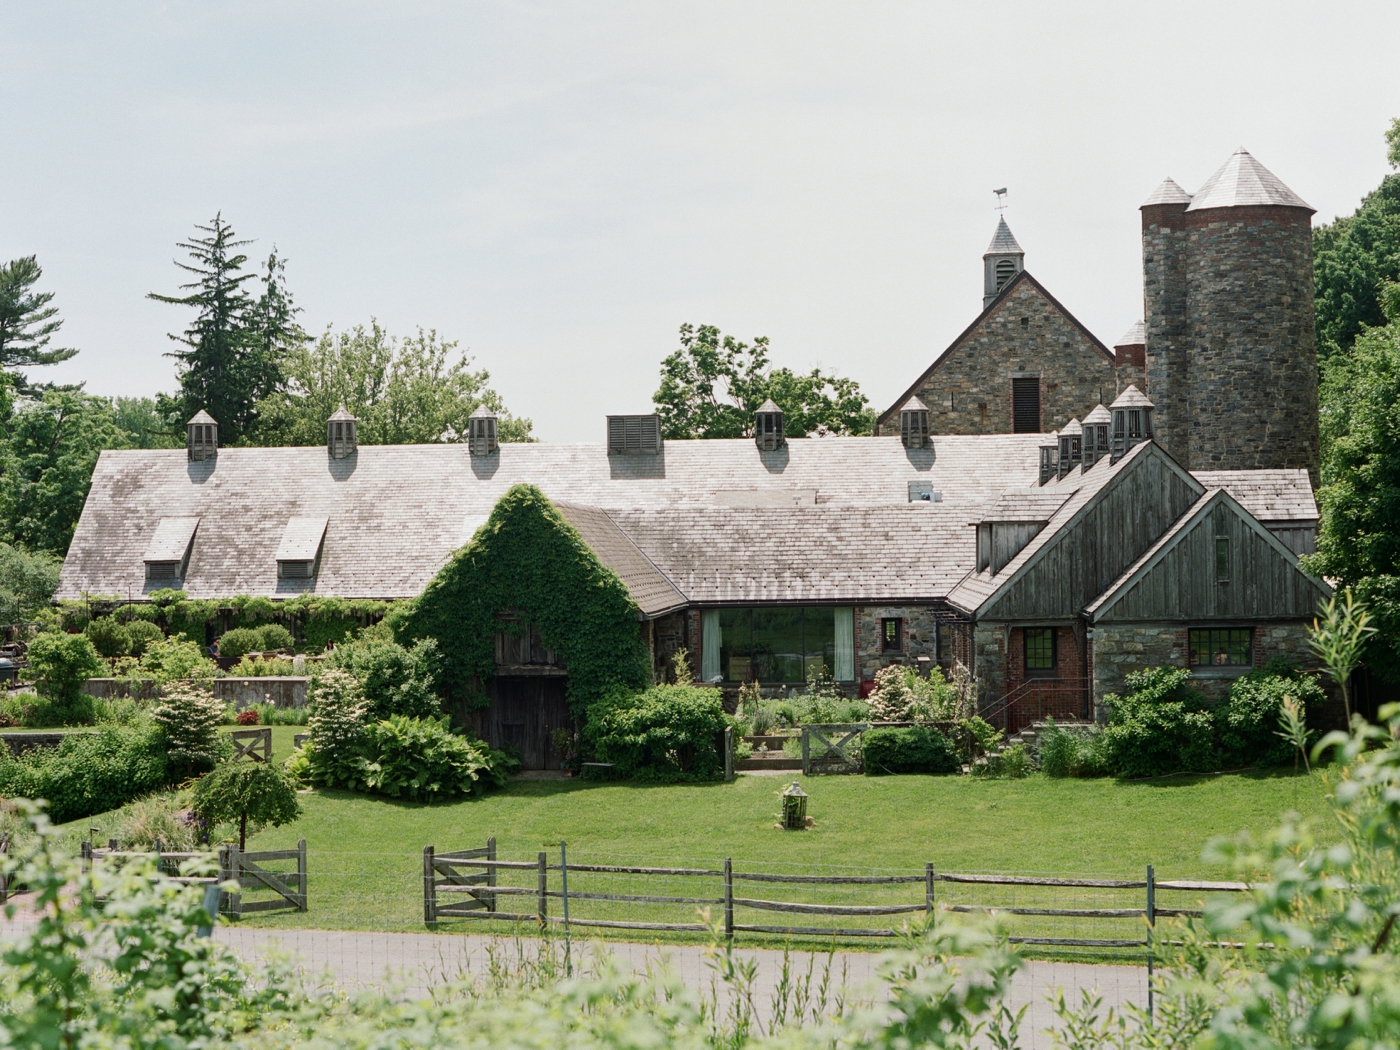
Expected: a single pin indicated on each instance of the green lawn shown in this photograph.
(365, 854)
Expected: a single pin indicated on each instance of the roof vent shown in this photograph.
(913, 424)
(481, 432)
(1071, 446)
(1049, 458)
(923, 492)
(168, 553)
(202, 436)
(634, 435)
(768, 427)
(299, 552)
(340, 434)
(1096, 425)
(1132, 420)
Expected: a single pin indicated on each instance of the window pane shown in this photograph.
(1040, 648)
(818, 640)
(1217, 647)
(777, 645)
(1222, 559)
(734, 644)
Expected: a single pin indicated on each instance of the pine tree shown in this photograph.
(27, 321)
(233, 348)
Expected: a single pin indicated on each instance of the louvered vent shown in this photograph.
(768, 431)
(296, 570)
(162, 570)
(1006, 269)
(634, 435)
(1025, 405)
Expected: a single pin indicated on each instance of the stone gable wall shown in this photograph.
(919, 638)
(970, 390)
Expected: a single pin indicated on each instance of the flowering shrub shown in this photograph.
(247, 718)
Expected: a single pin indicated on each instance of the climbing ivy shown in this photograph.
(529, 561)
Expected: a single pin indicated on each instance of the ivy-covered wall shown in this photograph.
(529, 561)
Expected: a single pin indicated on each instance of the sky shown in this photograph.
(558, 187)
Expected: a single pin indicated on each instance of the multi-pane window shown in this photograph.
(1222, 558)
(1040, 650)
(1221, 647)
(891, 640)
(783, 644)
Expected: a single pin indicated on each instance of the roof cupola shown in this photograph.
(1071, 446)
(1132, 420)
(481, 432)
(341, 440)
(1002, 261)
(1049, 454)
(768, 427)
(913, 424)
(1095, 438)
(202, 436)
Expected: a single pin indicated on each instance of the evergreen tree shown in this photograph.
(27, 321)
(232, 349)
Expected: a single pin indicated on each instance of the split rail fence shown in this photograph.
(1088, 913)
(272, 889)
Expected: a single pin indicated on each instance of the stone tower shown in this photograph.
(1002, 261)
(1228, 308)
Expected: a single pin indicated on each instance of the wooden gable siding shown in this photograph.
(1116, 529)
(1264, 584)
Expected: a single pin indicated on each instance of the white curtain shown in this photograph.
(709, 645)
(845, 646)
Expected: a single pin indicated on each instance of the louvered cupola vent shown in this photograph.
(768, 427)
(341, 439)
(1071, 446)
(1132, 420)
(634, 435)
(202, 436)
(1096, 426)
(913, 424)
(481, 432)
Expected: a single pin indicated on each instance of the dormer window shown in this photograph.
(481, 432)
(634, 435)
(913, 424)
(768, 427)
(202, 436)
(340, 434)
(299, 553)
(168, 550)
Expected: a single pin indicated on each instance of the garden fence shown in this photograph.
(271, 889)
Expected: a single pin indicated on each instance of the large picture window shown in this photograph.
(777, 644)
(1040, 651)
(1222, 647)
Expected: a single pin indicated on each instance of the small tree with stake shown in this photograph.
(246, 791)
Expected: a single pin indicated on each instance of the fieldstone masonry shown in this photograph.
(919, 637)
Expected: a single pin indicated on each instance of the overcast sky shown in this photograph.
(559, 186)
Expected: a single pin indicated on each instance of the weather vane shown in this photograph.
(1001, 199)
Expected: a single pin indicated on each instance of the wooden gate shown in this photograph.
(524, 711)
(247, 870)
(457, 869)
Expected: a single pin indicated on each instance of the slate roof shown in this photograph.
(1136, 335)
(1003, 243)
(1242, 181)
(1035, 505)
(301, 539)
(1270, 495)
(171, 539)
(653, 593)
(1167, 193)
(1132, 397)
(395, 513)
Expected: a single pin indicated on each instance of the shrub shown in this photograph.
(142, 634)
(1161, 726)
(763, 721)
(273, 637)
(396, 680)
(903, 695)
(263, 667)
(1249, 719)
(108, 637)
(62, 664)
(162, 819)
(88, 773)
(668, 732)
(1066, 754)
(337, 720)
(233, 644)
(247, 718)
(176, 659)
(422, 760)
(975, 736)
(272, 715)
(918, 749)
(246, 792)
(190, 719)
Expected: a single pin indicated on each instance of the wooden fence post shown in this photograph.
(301, 872)
(85, 851)
(928, 892)
(544, 887)
(728, 898)
(728, 754)
(806, 752)
(491, 872)
(225, 874)
(429, 888)
(235, 867)
(1151, 922)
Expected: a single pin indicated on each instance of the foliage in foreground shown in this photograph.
(1318, 969)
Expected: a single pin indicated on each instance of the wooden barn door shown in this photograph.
(524, 712)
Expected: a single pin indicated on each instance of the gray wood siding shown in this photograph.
(1009, 538)
(1079, 563)
(1263, 584)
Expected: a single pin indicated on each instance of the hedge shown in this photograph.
(88, 772)
(916, 749)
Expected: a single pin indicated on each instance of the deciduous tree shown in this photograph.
(712, 386)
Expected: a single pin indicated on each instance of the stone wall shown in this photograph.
(283, 691)
(1167, 322)
(919, 637)
(668, 636)
(1025, 334)
(989, 649)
